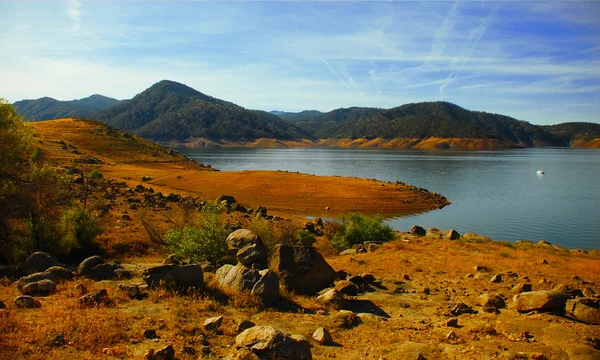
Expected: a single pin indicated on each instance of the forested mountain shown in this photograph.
(48, 108)
(427, 119)
(575, 131)
(170, 111)
(319, 123)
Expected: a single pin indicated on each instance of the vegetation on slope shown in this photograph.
(576, 133)
(172, 111)
(48, 108)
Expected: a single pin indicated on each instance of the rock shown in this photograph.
(59, 273)
(40, 288)
(541, 301)
(208, 267)
(269, 343)
(344, 319)
(568, 291)
(212, 324)
(589, 292)
(462, 308)
(480, 268)
(369, 278)
(346, 287)
(520, 288)
(237, 277)
(243, 325)
(36, 262)
(26, 302)
(335, 299)
(146, 178)
(33, 278)
(301, 268)
(452, 235)
(267, 287)
(134, 291)
(81, 289)
(172, 260)
(322, 336)
(434, 233)
(150, 334)
(491, 303)
(103, 272)
(250, 248)
(543, 262)
(417, 230)
(242, 354)
(452, 323)
(372, 247)
(584, 309)
(228, 200)
(166, 353)
(360, 282)
(2, 305)
(496, 278)
(349, 252)
(175, 277)
(58, 341)
(88, 264)
(96, 299)
(451, 336)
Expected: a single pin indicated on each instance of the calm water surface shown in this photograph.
(497, 194)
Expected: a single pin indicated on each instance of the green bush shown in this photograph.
(204, 242)
(355, 229)
(305, 237)
(80, 230)
(271, 235)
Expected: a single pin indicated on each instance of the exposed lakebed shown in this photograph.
(495, 193)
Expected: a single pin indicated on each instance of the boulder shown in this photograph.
(242, 354)
(250, 248)
(568, 291)
(36, 262)
(59, 273)
(88, 264)
(491, 302)
(243, 325)
(462, 308)
(41, 288)
(584, 309)
(26, 302)
(452, 235)
(368, 278)
(103, 272)
(335, 299)
(212, 324)
(227, 200)
(322, 336)
(269, 343)
(301, 268)
(520, 288)
(175, 277)
(344, 319)
(267, 287)
(237, 277)
(33, 278)
(2, 306)
(360, 282)
(346, 287)
(550, 301)
(96, 299)
(417, 230)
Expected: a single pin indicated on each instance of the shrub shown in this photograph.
(204, 242)
(356, 229)
(272, 235)
(305, 237)
(80, 230)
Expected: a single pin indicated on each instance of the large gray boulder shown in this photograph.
(40, 288)
(267, 287)
(549, 301)
(175, 277)
(237, 277)
(584, 309)
(301, 268)
(36, 262)
(86, 266)
(251, 251)
(269, 343)
(96, 269)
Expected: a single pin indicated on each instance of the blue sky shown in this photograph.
(533, 60)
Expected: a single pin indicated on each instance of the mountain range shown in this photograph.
(172, 112)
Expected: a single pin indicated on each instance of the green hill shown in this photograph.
(170, 111)
(47, 108)
(575, 131)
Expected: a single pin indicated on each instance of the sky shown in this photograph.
(537, 61)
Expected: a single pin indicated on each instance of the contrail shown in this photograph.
(309, 53)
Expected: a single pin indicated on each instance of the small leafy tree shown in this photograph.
(79, 231)
(305, 237)
(356, 229)
(204, 242)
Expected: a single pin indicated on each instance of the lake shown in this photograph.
(493, 193)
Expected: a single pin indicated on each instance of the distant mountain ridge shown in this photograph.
(47, 108)
(171, 112)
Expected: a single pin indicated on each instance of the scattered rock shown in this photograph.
(242, 354)
(236, 277)
(270, 343)
(267, 287)
(2, 305)
(344, 319)
(462, 308)
(58, 341)
(86, 266)
(81, 289)
(212, 324)
(491, 303)
(584, 309)
(301, 268)
(175, 277)
(496, 278)
(150, 334)
(346, 287)
(452, 323)
(96, 299)
(368, 278)
(543, 262)
(243, 325)
(349, 252)
(417, 230)
(360, 282)
(166, 353)
(40, 288)
(589, 292)
(59, 273)
(568, 291)
(541, 301)
(134, 291)
(335, 299)
(520, 288)
(146, 178)
(372, 247)
(322, 336)
(26, 302)
(227, 200)
(35, 263)
(452, 235)
(250, 248)
(451, 336)
(480, 268)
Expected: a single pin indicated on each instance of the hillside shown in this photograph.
(442, 120)
(48, 108)
(170, 111)
(578, 134)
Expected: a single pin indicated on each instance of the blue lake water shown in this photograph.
(493, 193)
